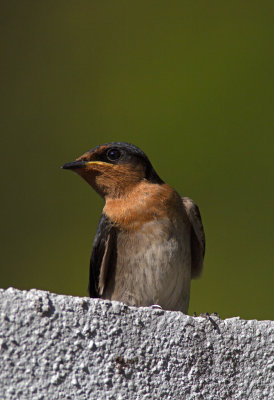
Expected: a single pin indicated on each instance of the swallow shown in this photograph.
(150, 241)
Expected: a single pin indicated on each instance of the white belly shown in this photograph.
(153, 266)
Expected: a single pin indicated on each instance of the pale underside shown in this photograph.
(153, 266)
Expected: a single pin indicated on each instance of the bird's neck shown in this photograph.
(144, 203)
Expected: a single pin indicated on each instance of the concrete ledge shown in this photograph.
(63, 347)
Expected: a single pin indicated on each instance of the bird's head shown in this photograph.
(113, 169)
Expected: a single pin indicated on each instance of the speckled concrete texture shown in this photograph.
(63, 347)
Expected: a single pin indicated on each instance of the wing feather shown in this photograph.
(102, 256)
(197, 236)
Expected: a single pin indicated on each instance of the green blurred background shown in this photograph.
(190, 83)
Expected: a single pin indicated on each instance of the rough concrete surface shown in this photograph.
(63, 347)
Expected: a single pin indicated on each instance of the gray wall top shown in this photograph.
(63, 347)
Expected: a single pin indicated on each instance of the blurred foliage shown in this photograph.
(190, 83)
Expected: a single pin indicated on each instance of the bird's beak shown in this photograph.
(80, 164)
(74, 165)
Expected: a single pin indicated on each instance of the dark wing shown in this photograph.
(197, 236)
(102, 257)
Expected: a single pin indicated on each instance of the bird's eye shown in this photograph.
(113, 154)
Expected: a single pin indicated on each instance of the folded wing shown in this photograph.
(197, 236)
(103, 256)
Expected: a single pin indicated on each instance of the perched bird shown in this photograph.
(150, 241)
